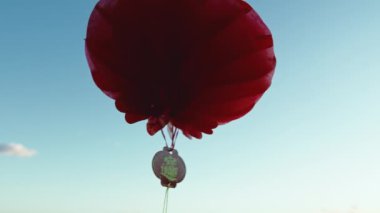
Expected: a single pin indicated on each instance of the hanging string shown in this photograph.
(173, 133)
(163, 135)
(174, 137)
(166, 201)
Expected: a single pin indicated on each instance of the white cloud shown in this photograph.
(17, 150)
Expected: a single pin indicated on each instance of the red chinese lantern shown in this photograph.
(188, 64)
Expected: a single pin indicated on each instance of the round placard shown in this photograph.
(169, 167)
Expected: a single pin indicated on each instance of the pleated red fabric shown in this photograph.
(194, 63)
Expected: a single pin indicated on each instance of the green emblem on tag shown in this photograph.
(169, 168)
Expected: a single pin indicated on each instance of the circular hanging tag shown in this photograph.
(169, 167)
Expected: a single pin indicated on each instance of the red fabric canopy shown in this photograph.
(194, 63)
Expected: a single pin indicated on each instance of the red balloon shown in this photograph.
(194, 63)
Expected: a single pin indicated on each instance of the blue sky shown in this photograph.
(310, 146)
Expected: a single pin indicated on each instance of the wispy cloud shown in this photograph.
(18, 150)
